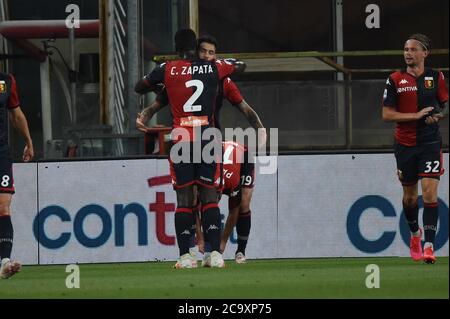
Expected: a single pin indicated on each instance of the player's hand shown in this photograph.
(28, 153)
(424, 112)
(435, 118)
(140, 123)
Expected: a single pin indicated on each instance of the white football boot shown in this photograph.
(193, 257)
(9, 268)
(217, 260)
(206, 261)
(240, 258)
(185, 261)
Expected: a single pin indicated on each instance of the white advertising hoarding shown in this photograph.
(105, 205)
(345, 205)
(123, 210)
(23, 210)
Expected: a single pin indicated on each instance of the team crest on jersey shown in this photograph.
(429, 82)
(2, 86)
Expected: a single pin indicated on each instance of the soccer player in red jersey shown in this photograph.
(191, 86)
(416, 98)
(239, 180)
(207, 48)
(9, 107)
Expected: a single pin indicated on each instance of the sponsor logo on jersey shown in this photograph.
(403, 81)
(212, 227)
(407, 89)
(192, 121)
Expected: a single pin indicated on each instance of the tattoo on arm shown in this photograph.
(149, 111)
(250, 114)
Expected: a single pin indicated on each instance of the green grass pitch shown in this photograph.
(277, 278)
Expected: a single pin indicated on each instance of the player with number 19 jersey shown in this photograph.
(238, 171)
(9, 100)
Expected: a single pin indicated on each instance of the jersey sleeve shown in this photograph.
(163, 98)
(13, 100)
(390, 93)
(225, 67)
(231, 92)
(156, 76)
(442, 89)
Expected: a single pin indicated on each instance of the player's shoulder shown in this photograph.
(162, 66)
(218, 61)
(224, 62)
(434, 73)
(189, 63)
(396, 76)
(159, 67)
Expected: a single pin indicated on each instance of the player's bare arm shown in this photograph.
(143, 86)
(254, 120)
(391, 115)
(232, 218)
(147, 114)
(20, 123)
(250, 114)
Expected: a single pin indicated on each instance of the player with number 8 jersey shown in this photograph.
(9, 110)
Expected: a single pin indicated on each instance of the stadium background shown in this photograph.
(345, 109)
(316, 72)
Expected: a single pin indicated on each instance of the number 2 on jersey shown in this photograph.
(188, 106)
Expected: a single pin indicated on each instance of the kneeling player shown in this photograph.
(238, 175)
